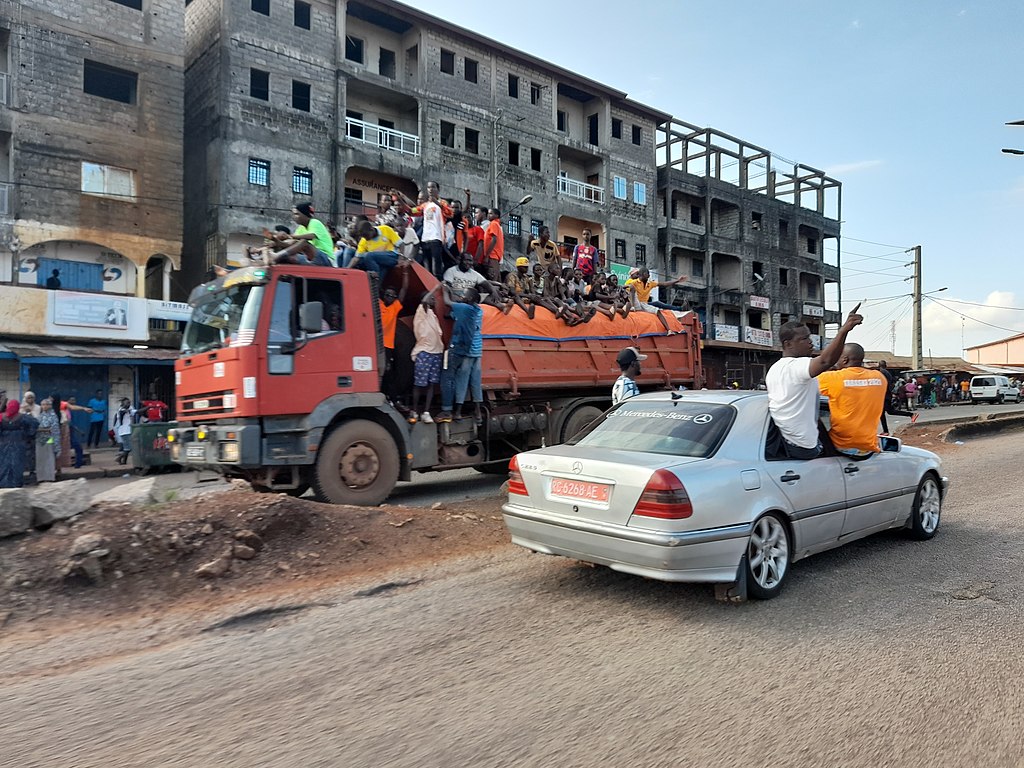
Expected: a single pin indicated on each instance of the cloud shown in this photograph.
(847, 168)
(963, 12)
(855, 24)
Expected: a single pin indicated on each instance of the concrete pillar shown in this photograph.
(167, 281)
(140, 280)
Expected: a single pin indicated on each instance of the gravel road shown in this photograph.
(887, 652)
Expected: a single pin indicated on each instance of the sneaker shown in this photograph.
(915, 417)
(426, 418)
(443, 418)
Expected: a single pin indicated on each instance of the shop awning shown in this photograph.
(58, 353)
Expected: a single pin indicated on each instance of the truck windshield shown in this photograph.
(224, 318)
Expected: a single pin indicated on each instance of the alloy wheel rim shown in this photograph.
(930, 507)
(768, 552)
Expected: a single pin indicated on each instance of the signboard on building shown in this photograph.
(760, 302)
(90, 310)
(168, 310)
(813, 310)
(758, 336)
(727, 332)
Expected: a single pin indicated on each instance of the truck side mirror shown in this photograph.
(311, 316)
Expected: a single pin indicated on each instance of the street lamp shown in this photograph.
(524, 201)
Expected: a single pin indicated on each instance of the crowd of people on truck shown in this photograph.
(464, 246)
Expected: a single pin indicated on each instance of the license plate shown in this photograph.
(200, 404)
(195, 452)
(579, 489)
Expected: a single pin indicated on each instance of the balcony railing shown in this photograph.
(5, 83)
(379, 136)
(5, 198)
(580, 190)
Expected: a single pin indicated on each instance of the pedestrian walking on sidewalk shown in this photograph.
(47, 443)
(123, 420)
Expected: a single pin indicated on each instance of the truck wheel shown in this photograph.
(357, 464)
(579, 420)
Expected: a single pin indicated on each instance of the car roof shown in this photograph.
(715, 396)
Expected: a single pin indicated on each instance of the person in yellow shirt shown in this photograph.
(856, 399)
(640, 288)
(377, 249)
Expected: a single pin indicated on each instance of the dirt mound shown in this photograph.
(120, 558)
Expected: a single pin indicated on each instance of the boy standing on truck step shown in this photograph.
(464, 352)
(426, 356)
(494, 245)
(390, 307)
(629, 363)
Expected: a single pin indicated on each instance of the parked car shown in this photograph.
(683, 486)
(994, 389)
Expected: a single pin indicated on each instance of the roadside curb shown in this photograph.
(986, 424)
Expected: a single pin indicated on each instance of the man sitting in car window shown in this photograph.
(856, 399)
(793, 386)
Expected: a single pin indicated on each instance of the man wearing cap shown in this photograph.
(522, 287)
(629, 362)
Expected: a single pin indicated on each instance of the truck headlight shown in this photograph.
(229, 451)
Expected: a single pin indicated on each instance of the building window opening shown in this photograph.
(447, 62)
(695, 214)
(300, 95)
(616, 128)
(109, 82)
(472, 71)
(535, 93)
(259, 84)
(472, 141)
(303, 14)
(354, 49)
(513, 86)
(514, 225)
(637, 135)
(447, 134)
(302, 181)
(535, 159)
(261, 6)
(513, 153)
(259, 172)
(386, 64)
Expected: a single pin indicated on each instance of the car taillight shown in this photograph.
(664, 497)
(516, 486)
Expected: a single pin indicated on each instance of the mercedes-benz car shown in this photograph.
(688, 487)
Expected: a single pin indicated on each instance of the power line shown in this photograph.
(988, 306)
(882, 245)
(873, 285)
(973, 319)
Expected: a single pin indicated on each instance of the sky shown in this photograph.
(905, 103)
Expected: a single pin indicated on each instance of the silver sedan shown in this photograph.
(685, 487)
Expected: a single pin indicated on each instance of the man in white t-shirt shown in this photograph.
(793, 385)
(463, 276)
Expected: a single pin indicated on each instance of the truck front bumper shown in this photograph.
(216, 446)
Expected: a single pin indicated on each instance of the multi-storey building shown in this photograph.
(758, 240)
(334, 102)
(90, 194)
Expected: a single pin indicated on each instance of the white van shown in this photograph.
(994, 389)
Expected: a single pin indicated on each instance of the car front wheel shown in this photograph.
(767, 557)
(924, 520)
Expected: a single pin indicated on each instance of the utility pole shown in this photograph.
(892, 337)
(917, 351)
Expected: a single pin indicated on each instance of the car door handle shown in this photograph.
(851, 468)
(790, 477)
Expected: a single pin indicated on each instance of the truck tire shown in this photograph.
(357, 464)
(578, 420)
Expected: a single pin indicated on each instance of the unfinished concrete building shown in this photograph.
(758, 238)
(90, 192)
(334, 102)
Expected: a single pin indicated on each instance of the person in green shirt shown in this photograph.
(314, 231)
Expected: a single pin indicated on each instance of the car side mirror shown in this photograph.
(890, 444)
(311, 316)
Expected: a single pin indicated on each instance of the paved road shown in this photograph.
(888, 652)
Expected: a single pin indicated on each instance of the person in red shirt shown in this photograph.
(475, 236)
(494, 245)
(585, 257)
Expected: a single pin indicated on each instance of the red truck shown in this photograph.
(279, 382)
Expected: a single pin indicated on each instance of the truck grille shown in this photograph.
(209, 403)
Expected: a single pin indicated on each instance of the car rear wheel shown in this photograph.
(924, 520)
(999, 399)
(767, 557)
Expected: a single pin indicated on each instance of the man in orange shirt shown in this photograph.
(856, 399)
(494, 246)
(390, 307)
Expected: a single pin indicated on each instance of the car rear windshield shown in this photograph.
(676, 428)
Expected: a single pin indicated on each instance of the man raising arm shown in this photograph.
(793, 387)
